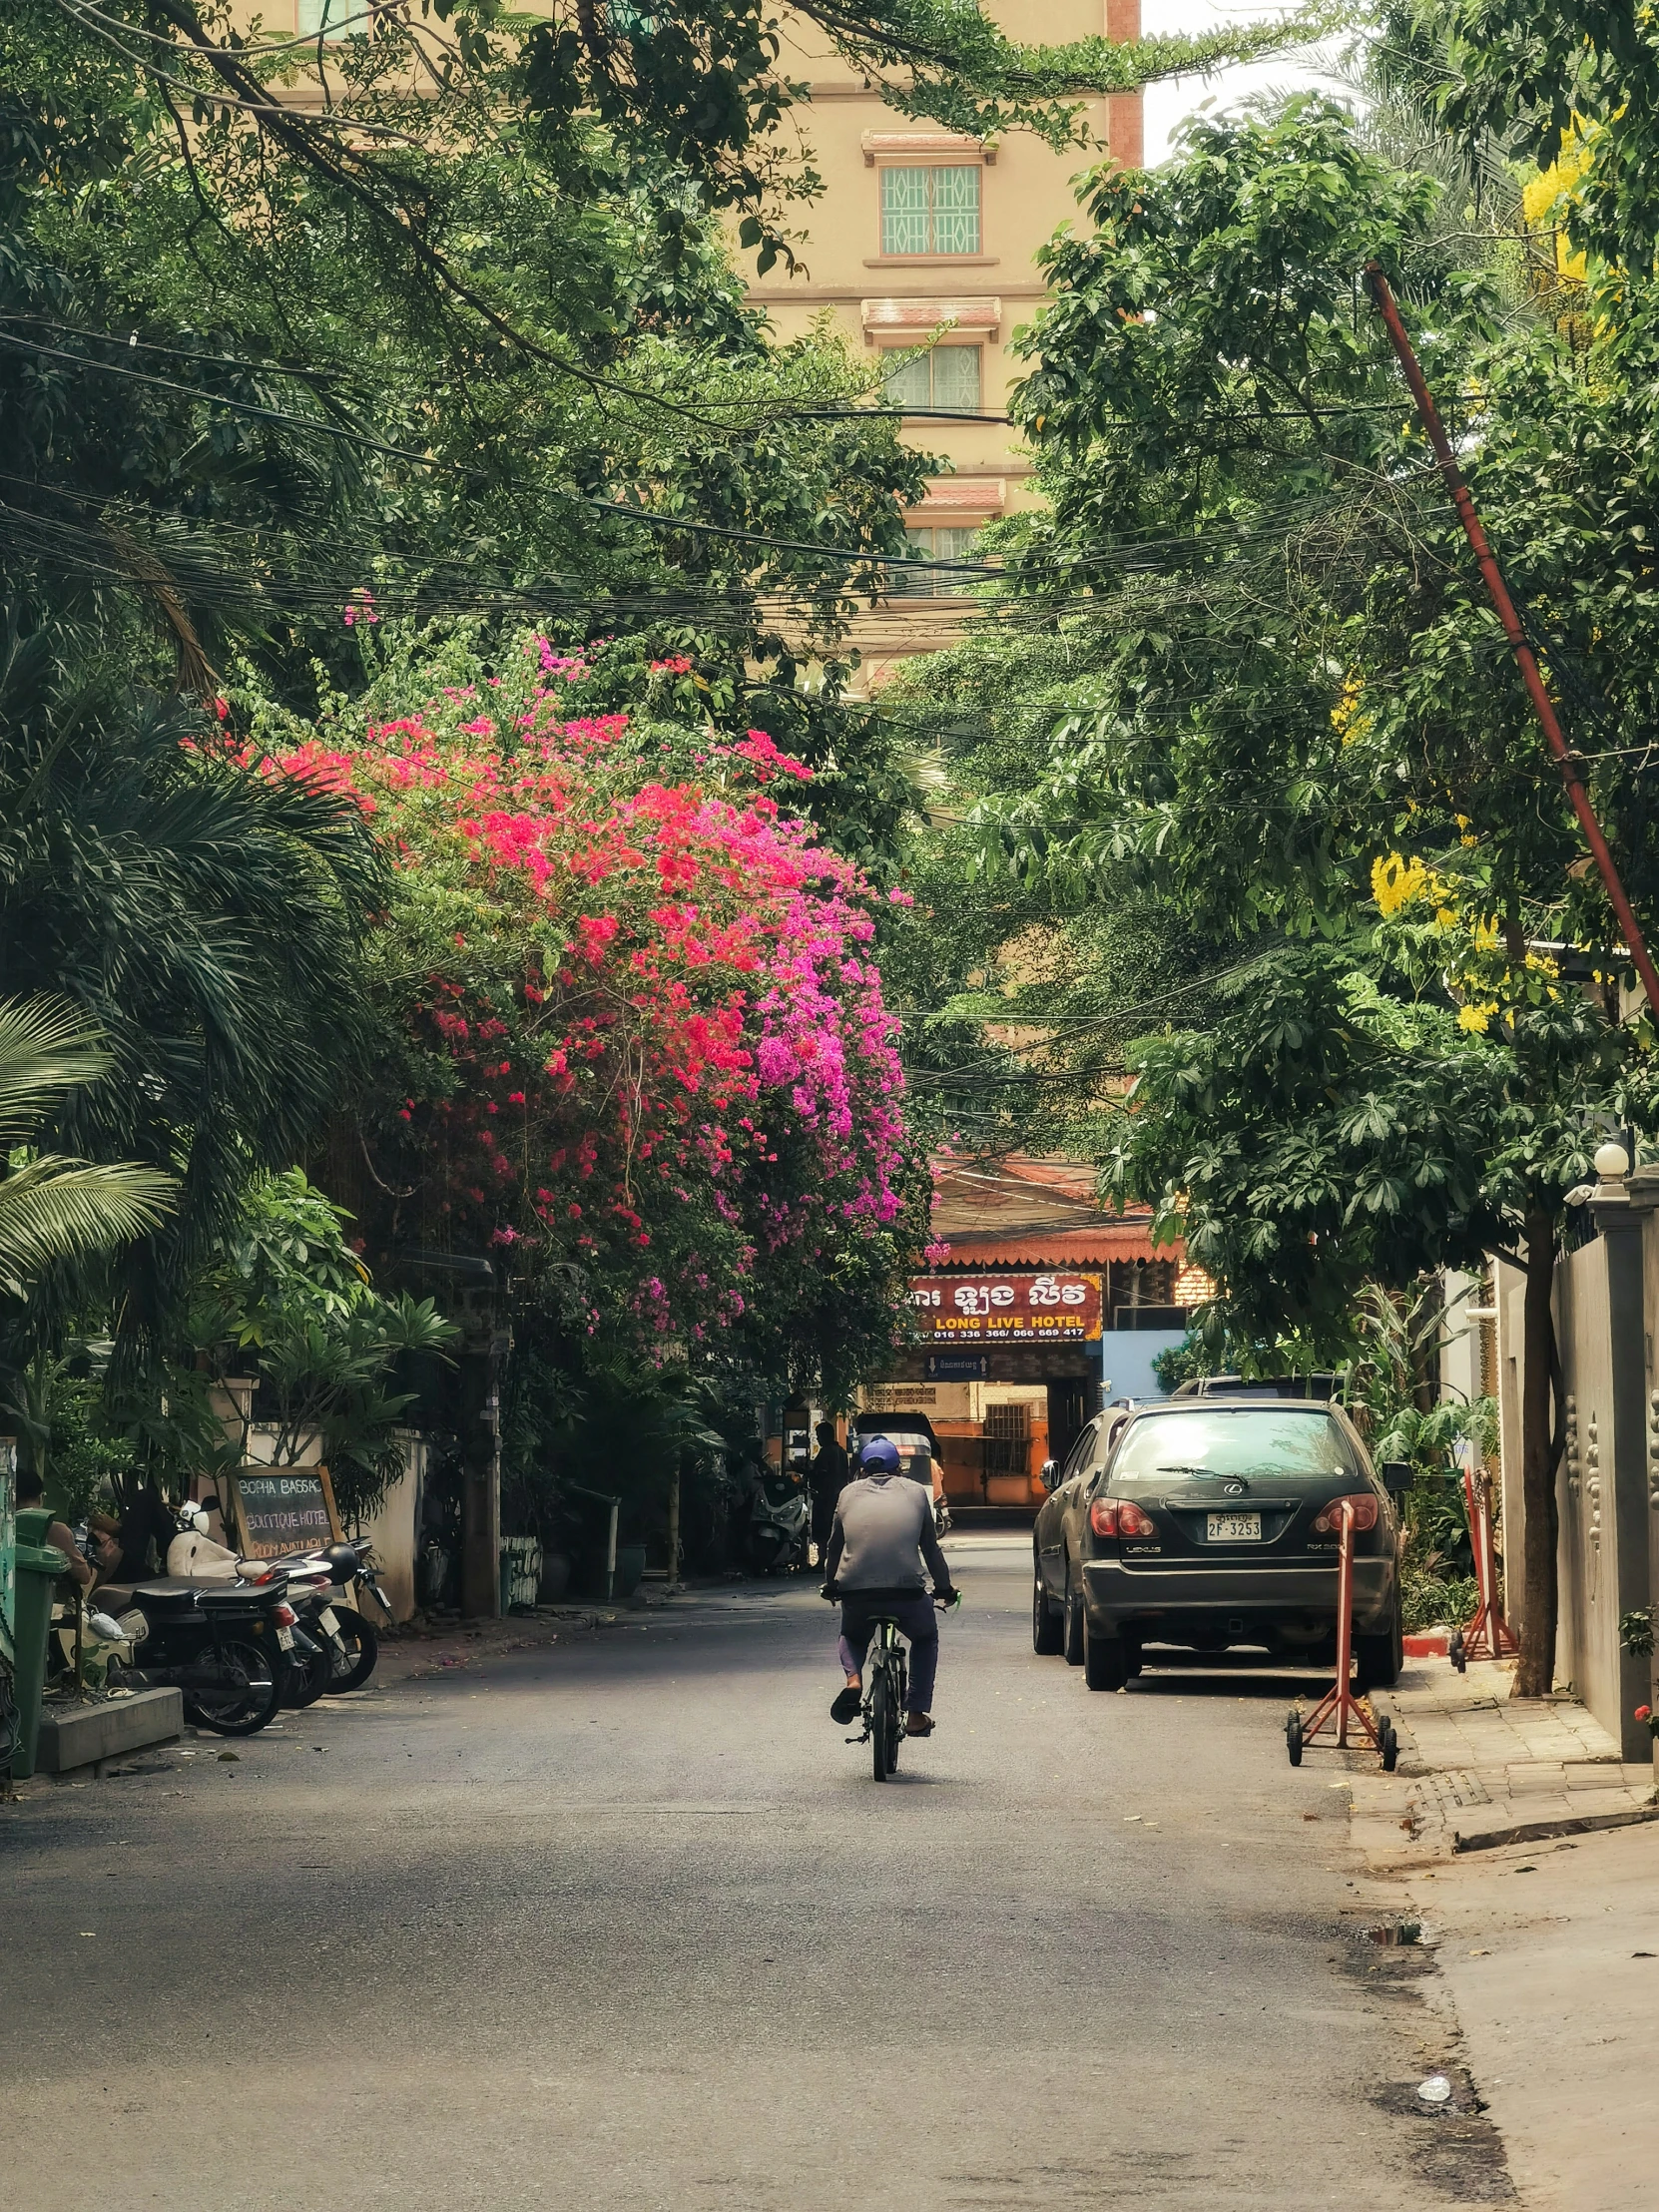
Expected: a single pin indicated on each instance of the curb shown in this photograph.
(1538, 1832)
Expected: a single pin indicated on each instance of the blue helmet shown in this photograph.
(880, 1456)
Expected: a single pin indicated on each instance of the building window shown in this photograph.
(931, 211)
(1144, 1294)
(1007, 1438)
(332, 18)
(936, 545)
(947, 377)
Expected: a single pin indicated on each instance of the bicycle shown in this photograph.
(887, 1679)
(885, 1698)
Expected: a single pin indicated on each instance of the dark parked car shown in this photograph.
(1207, 1522)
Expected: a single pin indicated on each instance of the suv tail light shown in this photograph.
(1327, 1521)
(1120, 1517)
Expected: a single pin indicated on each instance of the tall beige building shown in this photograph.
(918, 227)
(915, 228)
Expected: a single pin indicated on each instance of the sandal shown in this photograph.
(918, 1724)
(845, 1707)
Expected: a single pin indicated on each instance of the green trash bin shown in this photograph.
(39, 1565)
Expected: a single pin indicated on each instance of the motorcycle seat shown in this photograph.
(217, 1596)
(166, 1594)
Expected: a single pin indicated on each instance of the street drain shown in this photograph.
(1394, 1932)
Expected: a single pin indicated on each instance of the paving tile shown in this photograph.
(1478, 1766)
(1584, 1802)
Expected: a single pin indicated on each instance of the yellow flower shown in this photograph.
(1345, 718)
(1394, 881)
(1542, 201)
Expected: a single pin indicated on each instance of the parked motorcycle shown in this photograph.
(227, 1646)
(779, 1521)
(326, 1588)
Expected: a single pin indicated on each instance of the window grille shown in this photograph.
(949, 377)
(931, 211)
(934, 545)
(1007, 1438)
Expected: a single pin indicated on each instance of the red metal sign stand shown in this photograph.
(1339, 1706)
(1486, 1634)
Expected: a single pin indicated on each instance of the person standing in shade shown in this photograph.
(828, 1476)
(31, 1491)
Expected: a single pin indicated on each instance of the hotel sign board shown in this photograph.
(1006, 1308)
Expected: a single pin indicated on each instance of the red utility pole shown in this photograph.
(1525, 658)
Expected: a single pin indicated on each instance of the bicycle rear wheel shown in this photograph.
(881, 1720)
(899, 1683)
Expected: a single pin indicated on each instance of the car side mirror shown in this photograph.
(1050, 1474)
(1396, 1476)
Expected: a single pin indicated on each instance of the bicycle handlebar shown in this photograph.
(875, 1600)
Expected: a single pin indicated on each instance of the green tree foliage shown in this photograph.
(54, 1209)
(287, 1298)
(1302, 742)
(706, 81)
(206, 918)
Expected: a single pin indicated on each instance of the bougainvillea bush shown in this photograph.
(635, 1040)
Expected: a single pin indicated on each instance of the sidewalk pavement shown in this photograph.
(1479, 1768)
(1485, 1846)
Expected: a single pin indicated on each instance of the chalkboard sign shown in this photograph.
(282, 1510)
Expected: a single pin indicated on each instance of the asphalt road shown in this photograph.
(626, 1924)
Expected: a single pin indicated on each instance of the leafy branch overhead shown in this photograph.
(54, 1209)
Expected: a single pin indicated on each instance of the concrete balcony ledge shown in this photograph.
(80, 1737)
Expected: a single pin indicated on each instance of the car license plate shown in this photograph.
(329, 1622)
(284, 1637)
(1234, 1529)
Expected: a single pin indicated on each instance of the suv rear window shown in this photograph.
(1251, 1439)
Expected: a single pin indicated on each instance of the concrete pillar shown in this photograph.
(1629, 1534)
(1642, 1192)
(483, 1368)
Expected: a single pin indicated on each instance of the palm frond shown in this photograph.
(56, 1208)
(46, 1048)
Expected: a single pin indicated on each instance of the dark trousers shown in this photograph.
(918, 1624)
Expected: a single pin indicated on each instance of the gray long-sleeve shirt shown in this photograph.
(884, 1532)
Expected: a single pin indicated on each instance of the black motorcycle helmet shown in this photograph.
(343, 1561)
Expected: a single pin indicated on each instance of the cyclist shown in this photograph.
(880, 1541)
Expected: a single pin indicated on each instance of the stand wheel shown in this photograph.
(1457, 1654)
(1390, 1747)
(1293, 1738)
